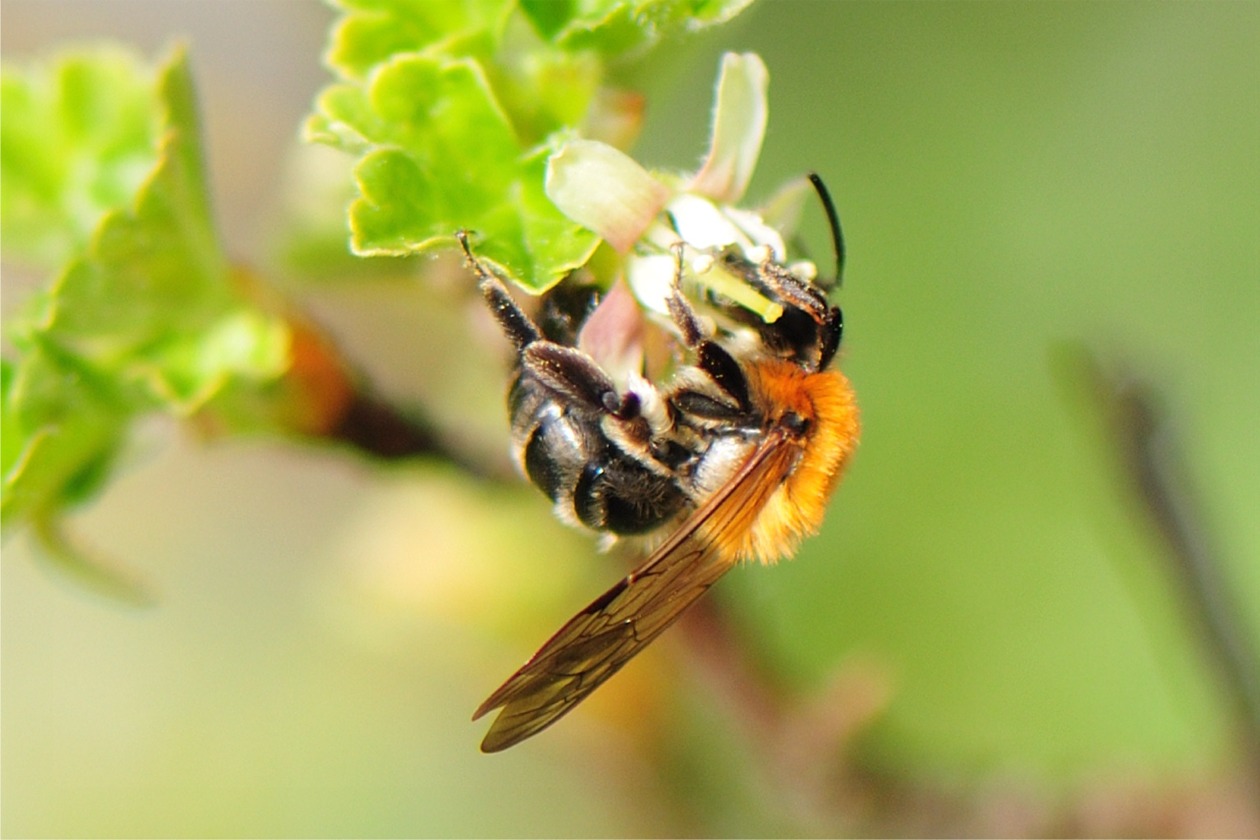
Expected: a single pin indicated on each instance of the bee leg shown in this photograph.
(518, 326)
(798, 294)
(832, 329)
(794, 291)
(566, 371)
(680, 310)
(776, 281)
(712, 357)
(574, 376)
(726, 372)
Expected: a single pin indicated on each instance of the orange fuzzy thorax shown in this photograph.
(795, 509)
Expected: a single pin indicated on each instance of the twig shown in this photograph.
(1153, 461)
(376, 428)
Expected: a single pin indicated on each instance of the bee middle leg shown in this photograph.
(712, 358)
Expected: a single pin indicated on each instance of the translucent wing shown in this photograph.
(607, 634)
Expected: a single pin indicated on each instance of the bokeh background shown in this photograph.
(988, 637)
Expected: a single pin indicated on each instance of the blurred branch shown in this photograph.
(804, 762)
(1152, 458)
(377, 429)
(801, 742)
(327, 400)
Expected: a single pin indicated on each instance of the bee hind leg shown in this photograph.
(518, 326)
(577, 378)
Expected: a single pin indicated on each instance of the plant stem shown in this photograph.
(374, 427)
(1152, 457)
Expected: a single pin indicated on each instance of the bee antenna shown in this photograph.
(833, 219)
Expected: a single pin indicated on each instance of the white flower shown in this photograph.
(643, 215)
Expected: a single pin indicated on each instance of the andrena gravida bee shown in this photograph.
(734, 459)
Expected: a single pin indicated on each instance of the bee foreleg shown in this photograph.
(832, 330)
(793, 290)
(726, 372)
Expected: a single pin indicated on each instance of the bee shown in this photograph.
(734, 459)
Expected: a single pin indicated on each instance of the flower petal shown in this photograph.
(739, 125)
(604, 190)
(651, 277)
(613, 334)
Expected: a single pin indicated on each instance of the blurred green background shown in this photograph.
(1011, 177)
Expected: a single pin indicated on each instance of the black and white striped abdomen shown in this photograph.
(592, 482)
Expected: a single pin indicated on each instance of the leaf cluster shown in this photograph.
(453, 109)
(103, 184)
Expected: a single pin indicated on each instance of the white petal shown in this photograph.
(651, 278)
(758, 232)
(701, 224)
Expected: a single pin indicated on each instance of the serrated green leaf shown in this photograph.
(543, 89)
(61, 432)
(616, 28)
(76, 141)
(153, 276)
(374, 31)
(549, 17)
(612, 29)
(451, 106)
(311, 242)
(146, 314)
(445, 158)
(344, 120)
(552, 243)
(187, 370)
(442, 145)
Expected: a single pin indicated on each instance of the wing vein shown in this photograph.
(612, 629)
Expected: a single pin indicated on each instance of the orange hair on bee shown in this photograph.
(795, 509)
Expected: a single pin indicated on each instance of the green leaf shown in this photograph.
(450, 108)
(374, 31)
(146, 314)
(61, 433)
(616, 28)
(76, 140)
(153, 278)
(444, 157)
(310, 241)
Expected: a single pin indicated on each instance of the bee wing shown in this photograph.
(600, 639)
